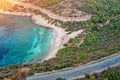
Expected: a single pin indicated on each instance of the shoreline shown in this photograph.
(59, 38)
(57, 32)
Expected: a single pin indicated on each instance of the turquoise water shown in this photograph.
(22, 41)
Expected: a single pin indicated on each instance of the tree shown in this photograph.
(60, 79)
(112, 74)
(92, 77)
(105, 79)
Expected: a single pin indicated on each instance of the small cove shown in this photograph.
(22, 41)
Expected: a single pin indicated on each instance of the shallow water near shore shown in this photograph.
(22, 41)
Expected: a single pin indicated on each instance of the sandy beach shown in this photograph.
(58, 35)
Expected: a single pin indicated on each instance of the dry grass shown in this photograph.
(68, 8)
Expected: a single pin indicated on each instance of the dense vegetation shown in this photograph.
(109, 74)
(112, 74)
(101, 10)
(98, 43)
(101, 38)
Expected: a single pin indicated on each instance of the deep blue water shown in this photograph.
(22, 41)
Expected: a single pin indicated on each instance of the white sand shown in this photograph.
(60, 36)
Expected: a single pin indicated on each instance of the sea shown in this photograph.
(22, 41)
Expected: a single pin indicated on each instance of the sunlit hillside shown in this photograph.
(46, 3)
(5, 4)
